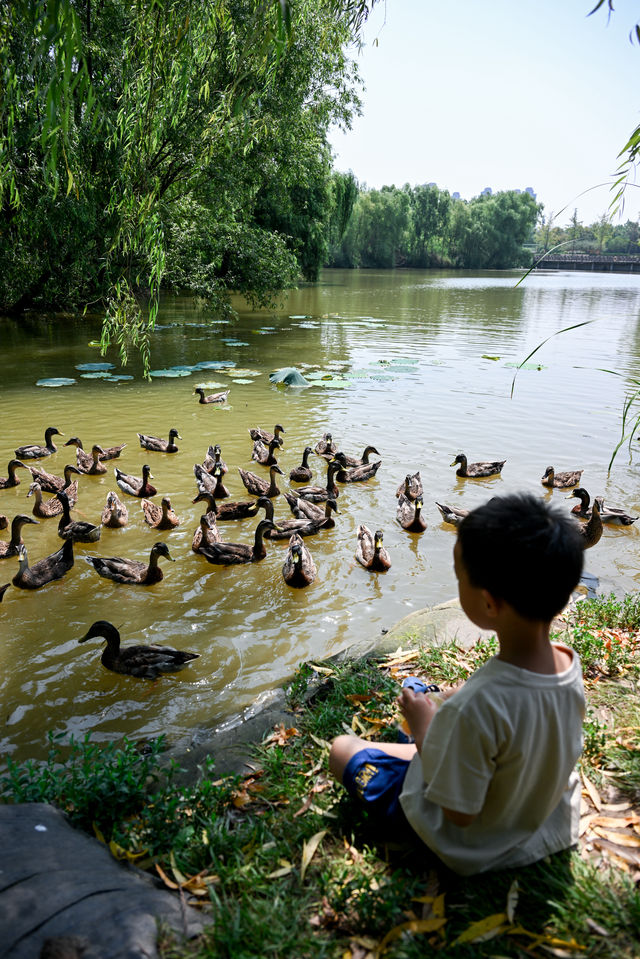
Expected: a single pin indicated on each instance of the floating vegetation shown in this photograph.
(485, 356)
(332, 383)
(526, 366)
(57, 381)
(95, 367)
(242, 382)
(213, 364)
(96, 376)
(300, 317)
(234, 343)
(96, 344)
(169, 373)
(244, 372)
(185, 369)
(210, 385)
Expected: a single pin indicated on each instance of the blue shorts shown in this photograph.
(375, 779)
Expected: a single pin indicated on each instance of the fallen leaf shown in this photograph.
(304, 807)
(594, 795)
(621, 853)
(398, 658)
(308, 851)
(179, 877)
(356, 698)
(512, 900)
(279, 873)
(483, 929)
(616, 807)
(616, 822)
(322, 669)
(323, 743)
(414, 925)
(619, 838)
(585, 823)
(168, 882)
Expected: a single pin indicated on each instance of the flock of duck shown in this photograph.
(312, 508)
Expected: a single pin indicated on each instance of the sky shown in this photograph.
(507, 94)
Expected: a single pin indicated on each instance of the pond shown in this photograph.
(419, 365)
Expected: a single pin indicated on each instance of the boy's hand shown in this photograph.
(418, 710)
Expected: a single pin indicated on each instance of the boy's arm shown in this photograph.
(418, 710)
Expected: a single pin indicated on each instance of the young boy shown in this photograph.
(490, 782)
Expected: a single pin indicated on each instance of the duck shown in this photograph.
(304, 525)
(258, 486)
(115, 514)
(44, 509)
(3, 590)
(85, 459)
(46, 570)
(591, 531)
(157, 445)
(131, 571)
(409, 515)
(12, 479)
(355, 474)
(583, 508)
(370, 551)
(78, 530)
(298, 569)
(318, 494)
(206, 533)
(4, 521)
(411, 488)
(614, 516)
(326, 446)
(12, 547)
(213, 459)
(265, 454)
(302, 473)
(144, 662)
(231, 554)
(452, 514)
(561, 480)
(305, 509)
(475, 470)
(95, 467)
(33, 451)
(210, 482)
(234, 509)
(50, 483)
(360, 460)
(213, 397)
(134, 485)
(257, 433)
(159, 517)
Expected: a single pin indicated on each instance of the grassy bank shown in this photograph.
(288, 867)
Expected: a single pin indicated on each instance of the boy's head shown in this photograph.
(522, 551)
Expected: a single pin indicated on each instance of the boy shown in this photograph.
(490, 782)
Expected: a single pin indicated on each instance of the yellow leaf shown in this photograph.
(414, 925)
(179, 877)
(619, 838)
(98, 834)
(616, 822)
(309, 850)
(168, 882)
(279, 873)
(323, 743)
(594, 795)
(322, 669)
(483, 929)
(119, 852)
(512, 900)
(398, 658)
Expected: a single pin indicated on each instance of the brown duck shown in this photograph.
(115, 514)
(134, 485)
(477, 470)
(33, 451)
(159, 517)
(131, 571)
(12, 479)
(144, 662)
(231, 554)
(13, 546)
(258, 486)
(84, 459)
(46, 570)
(298, 569)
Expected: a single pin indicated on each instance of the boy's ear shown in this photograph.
(491, 603)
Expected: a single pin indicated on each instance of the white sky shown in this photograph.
(499, 93)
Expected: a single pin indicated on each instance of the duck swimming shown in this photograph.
(298, 569)
(12, 479)
(231, 554)
(145, 662)
(95, 467)
(317, 494)
(360, 460)
(370, 551)
(355, 474)
(592, 530)
(115, 514)
(411, 488)
(234, 509)
(581, 509)
(303, 525)
(44, 509)
(213, 397)
(131, 571)
(45, 570)
(265, 455)
(133, 485)
(452, 514)
(33, 451)
(207, 533)
(50, 483)
(13, 546)
(257, 433)
(476, 470)
(302, 473)
(160, 517)
(84, 460)
(157, 445)
(213, 459)
(257, 486)
(409, 515)
(326, 446)
(613, 516)
(561, 480)
(77, 530)
(210, 482)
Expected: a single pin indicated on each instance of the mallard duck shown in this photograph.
(131, 571)
(326, 446)
(411, 487)
(134, 485)
(409, 515)
(475, 470)
(355, 474)
(12, 479)
(33, 451)
(95, 467)
(613, 516)
(42, 508)
(50, 483)
(145, 662)
(84, 459)
(230, 554)
(213, 459)
(115, 514)
(318, 494)
(210, 482)
(77, 530)
(298, 569)
(258, 486)
(370, 552)
(257, 433)
(160, 517)
(592, 530)
(45, 570)
(583, 508)
(302, 473)
(12, 547)
(157, 445)
(206, 533)
(265, 455)
(234, 509)
(561, 480)
(360, 460)
(305, 509)
(213, 397)
(304, 526)
(452, 514)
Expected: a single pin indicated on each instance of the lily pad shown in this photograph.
(96, 376)
(119, 377)
(57, 381)
(242, 382)
(244, 372)
(333, 384)
(95, 367)
(213, 364)
(187, 369)
(234, 343)
(288, 375)
(526, 366)
(303, 316)
(168, 373)
(211, 384)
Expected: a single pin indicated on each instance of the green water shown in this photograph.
(409, 351)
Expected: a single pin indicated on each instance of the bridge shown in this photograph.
(596, 263)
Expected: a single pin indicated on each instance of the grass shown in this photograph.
(288, 866)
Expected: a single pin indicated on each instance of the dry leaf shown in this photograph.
(168, 882)
(585, 823)
(619, 838)
(594, 795)
(616, 822)
(323, 743)
(279, 873)
(322, 669)
(414, 925)
(512, 900)
(398, 658)
(356, 698)
(308, 851)
(304, 807)
(484, 929)
(616, 807)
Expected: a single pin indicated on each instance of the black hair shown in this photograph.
(523, 551)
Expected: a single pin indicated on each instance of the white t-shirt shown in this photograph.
(503, 749)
